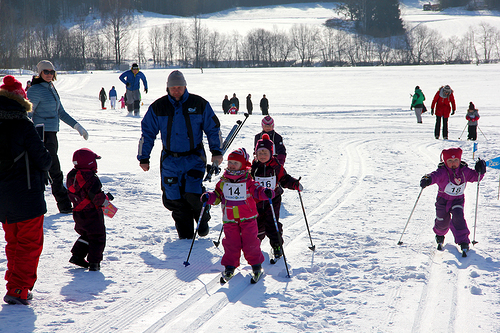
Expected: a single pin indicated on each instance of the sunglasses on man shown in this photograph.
(47, 72)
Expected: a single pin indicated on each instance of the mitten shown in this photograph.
(204, 197)
(268, 192)
(81, 130)
(480, 166)
(432, 112)
(425, 181)
(127, 84)
(146, 90)
(110, 196)
(452, 112)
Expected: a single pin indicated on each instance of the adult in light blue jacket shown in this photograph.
(132, 79)
(48, 110)
(182, 118)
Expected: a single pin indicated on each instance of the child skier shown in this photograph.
(270, 173)
(472, 116)
(452, 176)
(236, 191)
(278, 146)
(85, 191)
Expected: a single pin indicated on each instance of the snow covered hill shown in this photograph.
(351, 137)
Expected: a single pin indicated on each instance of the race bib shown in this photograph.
(235, 191)
(454, 190)
(269, 182)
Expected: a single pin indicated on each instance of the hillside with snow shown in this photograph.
(350, 135)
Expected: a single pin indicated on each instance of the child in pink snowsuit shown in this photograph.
(236, 191)
(452, 176)
(122, 101)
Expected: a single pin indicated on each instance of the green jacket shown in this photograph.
(418, 99)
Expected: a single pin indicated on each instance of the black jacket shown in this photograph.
(21, 187)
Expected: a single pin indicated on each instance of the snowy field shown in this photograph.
(350, 135)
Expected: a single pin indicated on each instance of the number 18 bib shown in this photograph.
(235, 191)
(454, 190)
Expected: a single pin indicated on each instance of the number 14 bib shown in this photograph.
(235, 191)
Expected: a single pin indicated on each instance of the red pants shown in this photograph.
(241, 236)
(23, 249)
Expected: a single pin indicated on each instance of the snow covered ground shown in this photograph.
(351, 137)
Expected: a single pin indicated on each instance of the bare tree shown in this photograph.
(118, 18)
(305, 41)
(199, 42)
(169, 35)
(488, 38)
(155, 42)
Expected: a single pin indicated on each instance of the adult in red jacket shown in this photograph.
(443, 103)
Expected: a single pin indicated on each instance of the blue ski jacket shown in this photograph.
(112, 92)
(182, 124)
(133, 80)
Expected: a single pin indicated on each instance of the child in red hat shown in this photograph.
(237, 192)
(85, 192)
(451, 177)
(267, 170)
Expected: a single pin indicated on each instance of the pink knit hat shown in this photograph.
(451, 153)
(267, 120)
(14, 86)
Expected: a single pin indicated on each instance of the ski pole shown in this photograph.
(462, 132)
(312, 247)
(474, 242)
(186, 263)
(279, 236)
(415, 205)
(216, 243)
(482, 133)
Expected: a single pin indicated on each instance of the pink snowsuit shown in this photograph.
(450, 200)
(239, 217)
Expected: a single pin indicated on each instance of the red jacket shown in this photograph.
(85, 190)
(441, 106)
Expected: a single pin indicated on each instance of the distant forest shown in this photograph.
(105, 36)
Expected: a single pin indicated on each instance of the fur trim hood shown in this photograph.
(13, 106)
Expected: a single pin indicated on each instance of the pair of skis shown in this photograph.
(214, 168)
(255, 277)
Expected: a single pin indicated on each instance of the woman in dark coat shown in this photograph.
(25, 162)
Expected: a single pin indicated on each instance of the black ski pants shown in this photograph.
(89, 224)
(265, 221)
(438, 127)
(186, 212)
(58, 190)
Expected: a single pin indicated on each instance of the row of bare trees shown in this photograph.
(115, 39)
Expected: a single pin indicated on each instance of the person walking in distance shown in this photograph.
(132, 80)
(417, 103)
(249, 104)
(443, 103)
(112, 97)
(182, 118)
(47, 110)
(103, 98)
(264, 106)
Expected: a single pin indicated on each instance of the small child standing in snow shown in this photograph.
(122, 102)
(452, 176)
(270, 173)
(278, 146)
(85, 192)
(236, 191)
(472, 116)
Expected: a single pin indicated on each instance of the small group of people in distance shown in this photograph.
(232, 106)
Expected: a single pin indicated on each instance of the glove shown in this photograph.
(110, 196)
(127, 84)
(480, 166)
(425, 181)
(452, 112)
(411, 107)
(105, 203)
(204, 197)
(432, 112)
(82, 131)
(146, 90)
(268, 192)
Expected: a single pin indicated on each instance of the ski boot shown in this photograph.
(227, 274)
(465, 248)
(440, 241)
(278, 253)
(256, 273)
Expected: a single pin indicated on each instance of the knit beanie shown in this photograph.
(267, 120)
(176, 79)
(241, 156)
(134, 66)
(85, 159)
(44, 64)
(265, 142)
(451, 153)
(447, 88)
(13, 86)
(471, 106)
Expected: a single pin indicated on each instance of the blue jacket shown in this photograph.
(47, 107)
(181, 124)
(112, 92)
(128, 77)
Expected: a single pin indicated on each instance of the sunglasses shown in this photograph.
(47, 72)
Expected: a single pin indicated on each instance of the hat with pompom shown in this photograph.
(471, 106)
(13, 86)
(446, 154)
(268, 120)
(265, 142)
(241, 156)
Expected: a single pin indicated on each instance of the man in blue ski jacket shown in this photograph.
(132, 78)
(181, 118)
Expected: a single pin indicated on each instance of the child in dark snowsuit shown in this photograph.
(472, 116)
(270, 173)
(452, 176)
(85, 192)
(278, 147)
(237, 192)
